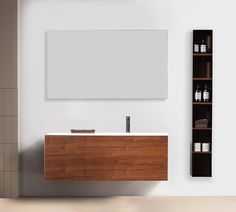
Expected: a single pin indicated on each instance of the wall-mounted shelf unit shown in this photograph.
(201, 161)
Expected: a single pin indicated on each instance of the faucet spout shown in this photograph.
(127, 124)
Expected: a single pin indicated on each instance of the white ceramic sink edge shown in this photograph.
(112, 134)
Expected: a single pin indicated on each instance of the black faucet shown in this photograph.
(127, 124)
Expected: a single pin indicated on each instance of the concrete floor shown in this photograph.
(120, 204)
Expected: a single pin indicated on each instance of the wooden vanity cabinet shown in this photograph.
(106, 157)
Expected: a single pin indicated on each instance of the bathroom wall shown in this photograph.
(173, 115)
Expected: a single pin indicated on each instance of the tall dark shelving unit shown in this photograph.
(202, 76)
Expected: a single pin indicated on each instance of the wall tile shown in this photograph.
(15, 185)
(11, 157)
(10, 184)
(15, 157)
(13, 136)
(8, 102)
(2, 98)
(8, 129)
(2, 123)
(1, 184)
(7, 184)
(7, 157)
(8, 78)
(1, 157)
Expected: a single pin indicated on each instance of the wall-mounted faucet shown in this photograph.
(127, 124)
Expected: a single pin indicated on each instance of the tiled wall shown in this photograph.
(8, 99)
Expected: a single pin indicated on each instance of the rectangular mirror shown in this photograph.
(107, 64)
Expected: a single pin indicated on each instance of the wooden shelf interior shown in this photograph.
(198, 36)
(202, 85)
(201, 165)
(202, 67)
(202, 76)
(202, 112)
(202, 135)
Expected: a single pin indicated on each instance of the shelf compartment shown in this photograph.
(202, 136)
(201, 165)
(202, 85)
(202, 67)
(202, 112)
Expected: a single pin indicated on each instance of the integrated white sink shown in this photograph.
(111, 134)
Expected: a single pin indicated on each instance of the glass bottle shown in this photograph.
(203, 47)
(196, 48)
(206, 94)
(198, 94)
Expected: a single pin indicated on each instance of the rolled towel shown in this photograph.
(201, 125)
(201, 121)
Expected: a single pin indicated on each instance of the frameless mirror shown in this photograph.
(107, 64)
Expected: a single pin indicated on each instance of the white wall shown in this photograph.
(39, 116)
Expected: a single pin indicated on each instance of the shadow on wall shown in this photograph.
(33, 183)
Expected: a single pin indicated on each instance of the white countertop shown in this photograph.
(111, 134)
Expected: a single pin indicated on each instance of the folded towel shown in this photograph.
(201, 125)
(201, 121)
(82, 131)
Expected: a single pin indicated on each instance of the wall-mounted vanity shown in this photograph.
(106, 156)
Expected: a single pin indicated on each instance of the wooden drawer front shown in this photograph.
(64, 158)
(126, 158)
(106, 158)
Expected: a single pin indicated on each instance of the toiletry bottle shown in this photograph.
(206, 94)
(197, 147)
(196, 48)
(198, 94)
(203, 47)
